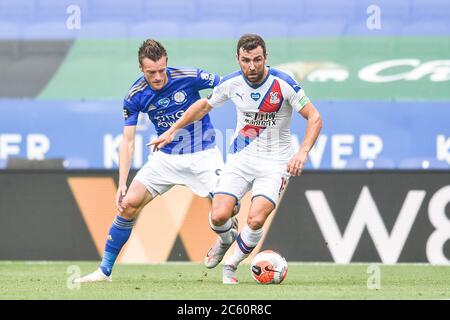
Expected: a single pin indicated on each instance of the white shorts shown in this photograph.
(198, 171)
(239, 176)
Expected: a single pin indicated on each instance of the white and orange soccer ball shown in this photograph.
(269, 267)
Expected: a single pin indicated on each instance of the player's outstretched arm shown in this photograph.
(195, 112)
(126, 150)
(313, 127)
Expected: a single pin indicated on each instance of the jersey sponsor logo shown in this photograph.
(126, 113)
(260, 119)
(179, 97)
(164, 102)
(167, 120)
(240, 96)
(255, 96)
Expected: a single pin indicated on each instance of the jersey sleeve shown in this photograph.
(130, 112)
(218, 96)
(296, 95)
(206, 80)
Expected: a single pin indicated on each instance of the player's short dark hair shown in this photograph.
(152, 50)
(251, 41)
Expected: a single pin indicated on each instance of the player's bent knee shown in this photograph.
(129, 213)
(255, 222)
(220, 214)
(218, 218)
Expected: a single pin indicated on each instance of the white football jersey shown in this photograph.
(263, 113)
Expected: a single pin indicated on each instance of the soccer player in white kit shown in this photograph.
(261, 156)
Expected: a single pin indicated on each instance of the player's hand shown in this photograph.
(296, 164)
(163, 140)
(121, 192)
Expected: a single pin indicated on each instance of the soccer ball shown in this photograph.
(269, 267)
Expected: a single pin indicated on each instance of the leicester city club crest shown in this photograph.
(179, 97)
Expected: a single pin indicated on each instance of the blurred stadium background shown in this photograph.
(377, 187)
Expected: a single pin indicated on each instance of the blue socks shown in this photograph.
(118, 235)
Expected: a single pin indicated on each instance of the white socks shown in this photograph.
(223, 231)
(246, 241)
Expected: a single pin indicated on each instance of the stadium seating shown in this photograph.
(209, 29)
(222, 10)
(281, 10)
(174, 11)
(56, 10)
(9, 30)
(115, 10)
(200, 18)
(426, 27)
(17, 10)
(310, 28)
(49, 30)
(266, 29)
(155, 28)
(430, 10)
(388, 28)
(329, 9)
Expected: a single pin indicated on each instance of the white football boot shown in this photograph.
(95, 276)
(217, 252)
(229, 274)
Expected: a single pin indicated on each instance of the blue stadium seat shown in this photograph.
(209, 30)
(170, 10)
(50, 10)
(155, 29)
(222, 10)
(266, 29)
(115, 10)
(16, 10)
(281, 10)
(329, 9)
(319, 27)
(9, 30)
(423, 163)
(426, 28)
(430, 9)
(387, 28)
(103, 29)
(48, 31)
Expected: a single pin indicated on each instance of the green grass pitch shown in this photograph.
(52, 280)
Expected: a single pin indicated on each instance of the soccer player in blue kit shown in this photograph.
(192, 159)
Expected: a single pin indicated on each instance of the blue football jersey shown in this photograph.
(164, 107)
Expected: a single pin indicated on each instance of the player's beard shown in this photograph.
(257, 77)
